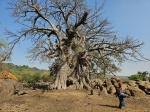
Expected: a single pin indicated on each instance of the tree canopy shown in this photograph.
(140, 76)
(71, 35)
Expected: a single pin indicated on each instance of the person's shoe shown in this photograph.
(123, 108)
(120, 107)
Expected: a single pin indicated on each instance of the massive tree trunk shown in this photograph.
(72, 66)
(65, 72)
(61, 77)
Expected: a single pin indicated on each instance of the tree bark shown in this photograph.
(61, 78)
(63, 75)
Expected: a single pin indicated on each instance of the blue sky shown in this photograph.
(129, 18)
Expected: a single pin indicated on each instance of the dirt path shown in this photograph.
(72, 101)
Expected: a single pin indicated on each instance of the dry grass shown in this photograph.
(72, 101)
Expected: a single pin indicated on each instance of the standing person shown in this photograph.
(119, 93)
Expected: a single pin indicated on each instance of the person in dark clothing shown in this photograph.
(119, 93)
(120, 96)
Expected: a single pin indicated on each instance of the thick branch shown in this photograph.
(42, 16)
(82, 20)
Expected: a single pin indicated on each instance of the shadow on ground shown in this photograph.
(108, 106)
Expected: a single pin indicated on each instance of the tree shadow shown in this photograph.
(108, 106)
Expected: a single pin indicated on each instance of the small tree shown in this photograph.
(4, 51)
(144, 75)
(135, 77)
(72, 36)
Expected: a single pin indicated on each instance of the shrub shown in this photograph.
(34, 78)
(47, 78)
(135, 77)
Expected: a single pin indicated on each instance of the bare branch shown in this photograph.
(82, 20)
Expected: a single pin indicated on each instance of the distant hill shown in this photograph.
(25, 68)
(23, 71)
(124, 78)
(27, 73)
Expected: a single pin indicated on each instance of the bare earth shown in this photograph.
(72, 101)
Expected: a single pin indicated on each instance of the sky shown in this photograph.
(129, 18)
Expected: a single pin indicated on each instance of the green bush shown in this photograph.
(135, 77)
(34, 78)
(47, 78)
(26, 73)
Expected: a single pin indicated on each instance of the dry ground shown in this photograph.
(72, 101)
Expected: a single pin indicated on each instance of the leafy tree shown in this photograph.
(144, 74)
(3, 49)
(140, 75)
(47, 78)
(72, 36)
(135, 77)
(25, 66)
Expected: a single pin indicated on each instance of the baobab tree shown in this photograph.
(73, 37)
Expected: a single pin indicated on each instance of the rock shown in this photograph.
(8, 89)
(109, 83)
(103, 90)
(144, 86)
(124, 86)
(139, 82)
(42, 85)
(111, 89)
(51, 86)
(113, 81)
(132, 83)
(116, 84)
(96, 83)
(23, 92)
(135, 91)
(127, 91)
